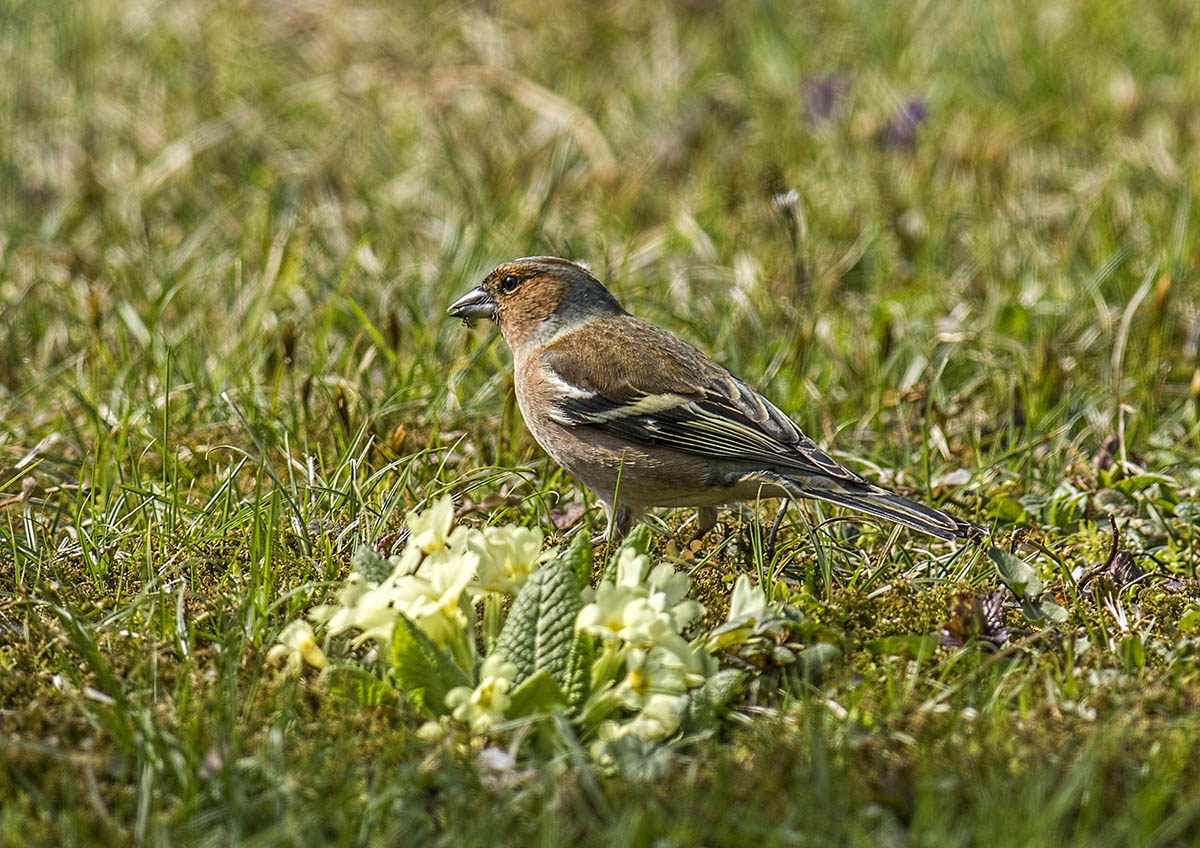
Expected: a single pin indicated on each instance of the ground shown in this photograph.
(955, 241)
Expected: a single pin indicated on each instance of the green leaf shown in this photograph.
(1188, 512)
(1189, 622)
(701, 707)
(1066, 510)
(579, 671)
(370, 564)
(1132, 652)
(816, 658)
(359, 686)
(1006, 508)
(1017, 574)
(1038, 610)
(578, 558)
(914, 645)
(537, 694)
(422, 670)
(540, 629)
(1138, 482)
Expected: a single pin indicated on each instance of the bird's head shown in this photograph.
(535, 298)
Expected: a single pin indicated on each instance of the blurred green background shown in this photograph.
(955, 240)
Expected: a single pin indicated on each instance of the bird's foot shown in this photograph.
(706, 519)
(769, 548)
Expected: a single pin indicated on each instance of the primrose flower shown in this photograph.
(430, 530)
(295, 647)
(339, 616)
(639, 608)
(749, 601)
(483, 707)
(658, 719)
(430, 597)
(507, 556)
(631, 568)
(436, 590)
(666, 669)
(746, 609)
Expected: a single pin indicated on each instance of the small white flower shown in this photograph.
(484, 706)
(430, 530)
(507, 556)
(658, 719)
(295, 647)
(747, 608)
(638, 608)
(749, 601)
(668, 669)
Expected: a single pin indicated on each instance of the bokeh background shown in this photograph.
(957, 241)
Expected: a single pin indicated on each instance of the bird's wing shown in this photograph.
(647, 386)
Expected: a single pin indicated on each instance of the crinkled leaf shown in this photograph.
(579, 671)
(540, 628)
(422, 670)
(359, 686)
(538, 693)
(1017, 574)
(700, 708)
(370, 564)
(578, 558)
(638, 760)
(914, 645)
(783, 655)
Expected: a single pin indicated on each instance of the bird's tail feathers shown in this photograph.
(880, 503)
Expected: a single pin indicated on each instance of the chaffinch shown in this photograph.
(644, 419)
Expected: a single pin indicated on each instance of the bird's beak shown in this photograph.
(474, 304)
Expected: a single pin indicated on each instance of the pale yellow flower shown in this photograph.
(632, 568)
(639, 607)
(430, 598)
(507, 556)
(747, 608)
(438, 586)
(658, 719)
(484, 706)
(430, 530)
(295, 647)
(339, 616)
(671, 667)
(749, 601)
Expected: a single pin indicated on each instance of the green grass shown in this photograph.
(228, 235)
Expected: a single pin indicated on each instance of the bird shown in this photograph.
(645, 420)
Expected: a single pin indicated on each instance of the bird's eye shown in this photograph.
(509, 283)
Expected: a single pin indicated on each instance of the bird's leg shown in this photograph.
(619, 522)
(706, 519)
(769, 550)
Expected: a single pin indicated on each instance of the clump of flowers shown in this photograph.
(645, 664)
(621, 660)
(434, 581)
